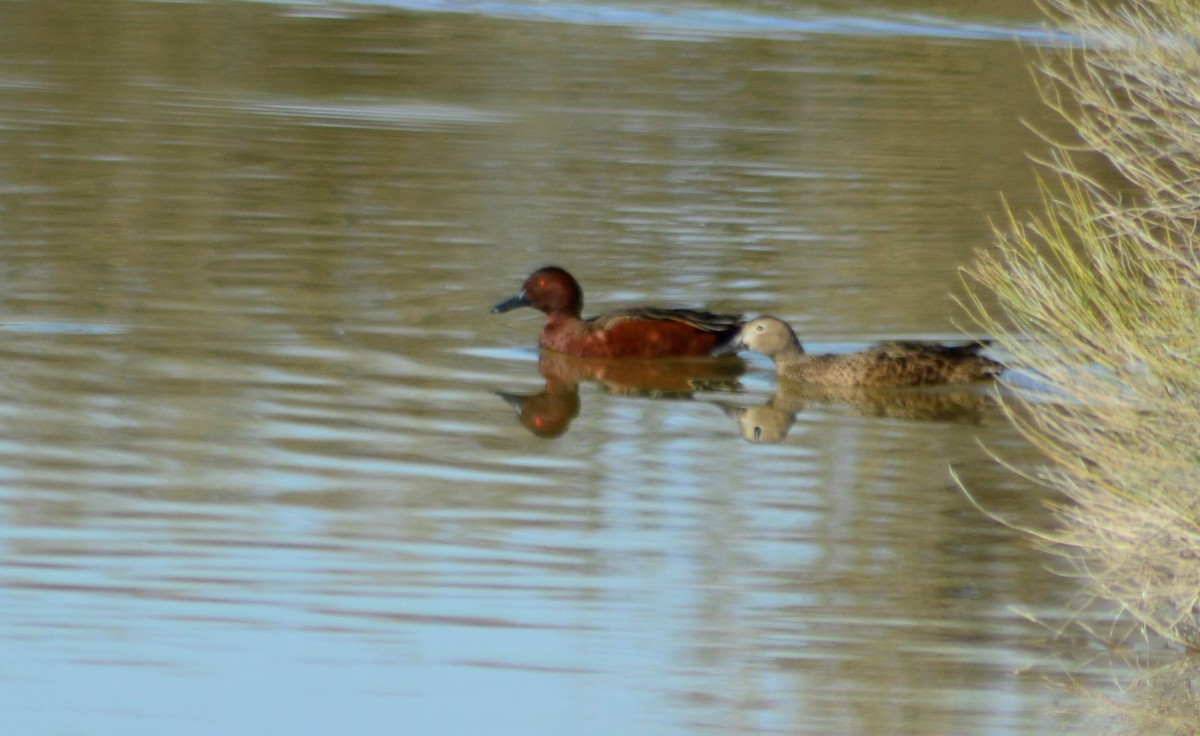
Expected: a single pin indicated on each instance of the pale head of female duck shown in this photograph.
(551, 290)
(771, 337)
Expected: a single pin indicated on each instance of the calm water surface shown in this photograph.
(269, 466)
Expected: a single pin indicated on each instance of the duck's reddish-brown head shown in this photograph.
(551, 290)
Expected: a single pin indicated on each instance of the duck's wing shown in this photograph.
(914, 363)
(697, 318)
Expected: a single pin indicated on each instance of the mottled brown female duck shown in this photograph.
(889, 364)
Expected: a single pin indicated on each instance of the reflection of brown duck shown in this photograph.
(768, 423)
(889, 364)
(550, 412)
(654, 378)
(772, 421)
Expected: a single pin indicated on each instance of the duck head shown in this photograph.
(767, 335)
(551, 290)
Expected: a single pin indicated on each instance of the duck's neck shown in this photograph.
(562, 320)
(569, 303)
(790, 352)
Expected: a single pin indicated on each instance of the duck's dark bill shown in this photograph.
(517, 301)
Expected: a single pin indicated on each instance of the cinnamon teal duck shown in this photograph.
(639, 332)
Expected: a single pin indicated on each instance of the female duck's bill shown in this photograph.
(889, 364)
(639, 332)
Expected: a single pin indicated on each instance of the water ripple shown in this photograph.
(374, 114)
(691, 22)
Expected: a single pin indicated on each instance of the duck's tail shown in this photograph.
(971, 365)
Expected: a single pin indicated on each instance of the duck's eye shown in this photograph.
(760, 328)
(542, 282)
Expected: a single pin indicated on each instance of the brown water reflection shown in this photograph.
(549, 412)
(254, 476)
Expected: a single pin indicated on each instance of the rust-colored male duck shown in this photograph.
(889, 364)
(640, 332)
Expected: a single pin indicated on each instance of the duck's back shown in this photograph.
(694, 318)
(643, 332)
(915, 363)
(897, 364)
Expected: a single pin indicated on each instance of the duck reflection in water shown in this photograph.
(772, 421)
(549, 413)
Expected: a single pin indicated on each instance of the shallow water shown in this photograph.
(269, 466)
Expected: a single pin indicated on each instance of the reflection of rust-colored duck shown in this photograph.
(889, 364)
(650, 378)
(643, 332)
(550, 412)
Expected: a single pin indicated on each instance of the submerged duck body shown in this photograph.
(641, 332)
(889, 364)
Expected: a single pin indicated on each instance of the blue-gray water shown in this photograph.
(256, 474)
